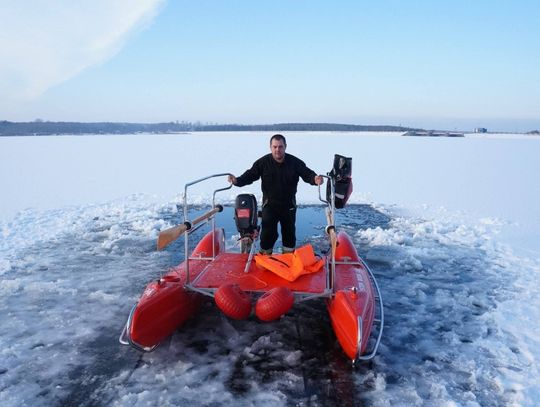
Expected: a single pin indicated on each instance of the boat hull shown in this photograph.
(166, 303)
(352, 307)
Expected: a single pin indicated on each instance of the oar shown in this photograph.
(169, 235)
(331, 230)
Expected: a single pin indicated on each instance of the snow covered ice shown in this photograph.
(449, 226)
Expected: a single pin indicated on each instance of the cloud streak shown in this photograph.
(45, 43)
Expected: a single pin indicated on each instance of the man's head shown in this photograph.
(278, 145)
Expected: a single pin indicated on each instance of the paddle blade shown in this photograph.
(170, 235)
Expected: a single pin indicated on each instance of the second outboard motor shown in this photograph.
(245, 214)
(342, 175)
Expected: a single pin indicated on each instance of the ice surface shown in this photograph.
(449, 226)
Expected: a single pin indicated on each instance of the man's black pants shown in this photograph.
(286, 217)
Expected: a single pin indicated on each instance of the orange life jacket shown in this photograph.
(290, 266)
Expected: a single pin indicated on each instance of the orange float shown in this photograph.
(274, 303)
(233, 301)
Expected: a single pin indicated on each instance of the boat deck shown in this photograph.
(228, 268)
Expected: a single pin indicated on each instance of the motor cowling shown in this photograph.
(245, 214)
(341, 174)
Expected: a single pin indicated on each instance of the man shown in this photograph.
(279, 173)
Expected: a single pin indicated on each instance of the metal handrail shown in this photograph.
(214, 218)
(125, 336)
(380, 321)
(331, 209)
(186, 240)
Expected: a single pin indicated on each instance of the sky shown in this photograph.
(440, 65)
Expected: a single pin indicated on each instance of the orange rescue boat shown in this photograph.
(240, 286)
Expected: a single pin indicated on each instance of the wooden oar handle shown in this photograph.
(208, 214)
(169, 235)
(331, 230)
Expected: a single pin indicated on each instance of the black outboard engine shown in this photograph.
(245, 214)
(342, 175)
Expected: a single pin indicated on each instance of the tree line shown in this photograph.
(40, 127)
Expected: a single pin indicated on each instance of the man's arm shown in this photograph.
(248, 177)
(308, 175)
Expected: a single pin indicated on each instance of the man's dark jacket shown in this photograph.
(279, 181)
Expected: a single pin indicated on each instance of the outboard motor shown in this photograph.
(342, 175)
(245, 214)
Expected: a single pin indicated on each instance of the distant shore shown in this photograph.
(45, 128)
(48, 128)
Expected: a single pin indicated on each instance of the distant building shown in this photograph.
(480, 130)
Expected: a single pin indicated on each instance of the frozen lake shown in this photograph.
(450, 226)
(483, 176)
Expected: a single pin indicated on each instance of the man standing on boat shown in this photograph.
(279, 173)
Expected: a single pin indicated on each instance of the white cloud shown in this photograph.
(44, 43)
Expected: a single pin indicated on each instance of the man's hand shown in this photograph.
(318, 179)
(232, 179)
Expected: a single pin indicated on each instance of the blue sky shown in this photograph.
(432, 64)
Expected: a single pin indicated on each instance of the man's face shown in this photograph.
(277, 148)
